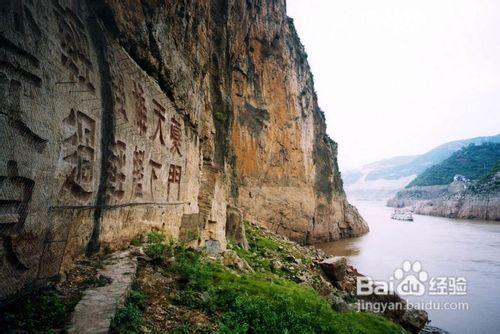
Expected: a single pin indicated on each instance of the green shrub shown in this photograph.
(155, 251)
(155, 237)
(43, 311)
(136, 242)
(220, 116)
(128, 319)
(157, 246)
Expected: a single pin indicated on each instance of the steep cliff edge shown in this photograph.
(122, 117)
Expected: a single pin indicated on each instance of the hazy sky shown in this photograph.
(398, 77)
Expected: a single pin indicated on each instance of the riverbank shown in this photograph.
(462, 198)
(445, 247)
(273, 286)
(266, 284)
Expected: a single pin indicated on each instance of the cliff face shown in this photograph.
(118, 117)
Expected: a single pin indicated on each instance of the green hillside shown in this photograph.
(473, 162)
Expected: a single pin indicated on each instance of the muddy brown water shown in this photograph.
(446, 248)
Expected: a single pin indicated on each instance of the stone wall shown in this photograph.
(118, 117)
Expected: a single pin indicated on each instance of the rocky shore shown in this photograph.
(262, 281)
(459, 199)
(270, 262)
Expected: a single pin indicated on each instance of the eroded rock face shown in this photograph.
(481, 206)
(121, 117)
(452, 201)
(286, 164)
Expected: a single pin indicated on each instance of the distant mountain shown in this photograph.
(472, 161)
(465, 185)
(422, 162)
(382, 179)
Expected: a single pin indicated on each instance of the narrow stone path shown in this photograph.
(96, 309)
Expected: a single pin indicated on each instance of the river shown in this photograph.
(445, 247)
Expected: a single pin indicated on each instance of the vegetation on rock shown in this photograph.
(489, 182)
(128, 319)
(205, 294)
(48, 309)
(42, 311)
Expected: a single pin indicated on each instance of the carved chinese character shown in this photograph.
(75, 46)
(155, 168)
(137, 173)
(160, 111)
(141, 112)
(78, 150)
(116, 172)
(175, 136)
(18, 14)
(15, 195)
(174, 177)
(117, 84)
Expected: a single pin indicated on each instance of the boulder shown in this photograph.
(335, 268)
(213, 246)
(414, 320)
(433, 330)
(232, 260)
(339, 304)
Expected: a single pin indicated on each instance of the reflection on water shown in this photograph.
(445, 247)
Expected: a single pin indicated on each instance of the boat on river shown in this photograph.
(402, 214)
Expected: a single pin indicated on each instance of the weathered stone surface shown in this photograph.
(235, 228)
(98, 151)
(432, 330)
(456, 200)
(286, 164)
(118, 117)
(213, 246)
(335, 268)
(414, 320)
(481, 206)
(231, 259)
(96, 309)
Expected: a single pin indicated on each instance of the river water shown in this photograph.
(446, 248)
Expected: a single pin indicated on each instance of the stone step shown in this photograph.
(96, 309)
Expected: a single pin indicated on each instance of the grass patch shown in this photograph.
(263, 251)
(128, 318)
(43, 311)
(157, 246)
(263, 302)
(136, 242)
(220, 116)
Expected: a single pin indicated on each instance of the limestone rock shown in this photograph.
(450, 201)
(414, 320)
(213, 246)
(339, 304)
(231, 259)
(335, 268)
(120, 117)
(235, 228)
